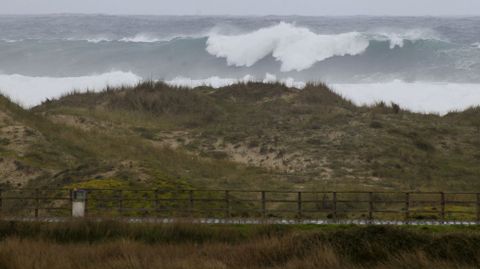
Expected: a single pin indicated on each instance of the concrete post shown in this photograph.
(79, 199)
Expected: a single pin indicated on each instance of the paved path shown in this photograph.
(249, 221)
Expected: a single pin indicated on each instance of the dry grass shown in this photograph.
(268, 253)
(121, 245)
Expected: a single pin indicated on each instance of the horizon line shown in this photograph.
(234, 15)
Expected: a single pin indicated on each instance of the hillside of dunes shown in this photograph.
(244, 136)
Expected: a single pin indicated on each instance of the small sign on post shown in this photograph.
(79, 199)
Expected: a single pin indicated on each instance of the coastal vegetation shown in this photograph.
(244, 136)
(123, 245)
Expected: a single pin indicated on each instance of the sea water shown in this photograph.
(426, 64)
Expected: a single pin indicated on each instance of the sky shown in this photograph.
(246, 7)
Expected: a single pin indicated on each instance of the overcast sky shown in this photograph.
(245, 7)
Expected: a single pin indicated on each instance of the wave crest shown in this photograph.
(142, 38)
(296, 48)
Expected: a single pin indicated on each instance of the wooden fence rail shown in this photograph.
(262, 204)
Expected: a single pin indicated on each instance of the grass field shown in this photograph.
(121, 245)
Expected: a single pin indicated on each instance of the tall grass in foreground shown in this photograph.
(22, 254)
(122, 245)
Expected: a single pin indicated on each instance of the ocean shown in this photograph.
(426, 64)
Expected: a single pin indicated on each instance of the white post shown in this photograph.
(79, 203)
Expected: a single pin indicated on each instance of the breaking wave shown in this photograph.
(332, 54)
(298, 48)
(295, 47)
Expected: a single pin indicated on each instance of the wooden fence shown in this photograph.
(196, 203)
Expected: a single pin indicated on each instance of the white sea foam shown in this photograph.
(397, 37)
(98, 39)
(217, 82)
(476, 44)
(10, 40)
(31, 91)
(142, 38)
(423, 97)
(297, 48)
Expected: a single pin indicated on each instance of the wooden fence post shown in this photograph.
(334, 197)
(1, 202)
(264, 205)
(71, 201)
(442, 207)
(120, 201)
(37, 202)
(156, 203)
(478, 208)
(407, 206)
(87, 195)
(299, 204)
(192, 203)
(227, 204)
(370, 207)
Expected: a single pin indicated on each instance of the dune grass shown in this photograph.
(251, 135)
